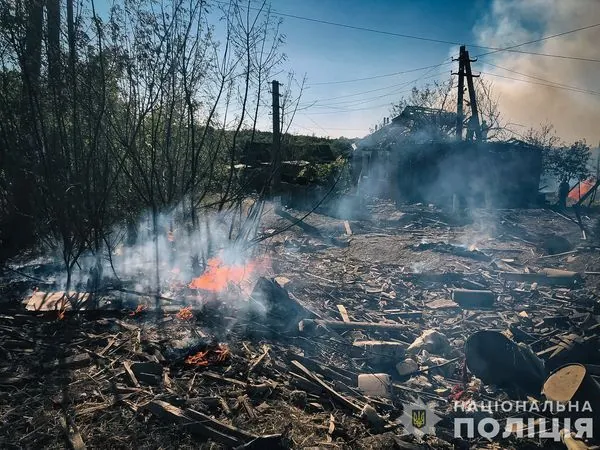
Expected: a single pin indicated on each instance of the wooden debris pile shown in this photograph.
(328, 353)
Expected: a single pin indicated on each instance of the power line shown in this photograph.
(390, 93)
(404, 83)
(543, 39)
(362, 101)
(398, 85)
(359, 93)
(542, 84)
(442, 41)
(352, 110)
(381, 76)
(583, 90)
(309, 118)
(494, 50)
(328, 128)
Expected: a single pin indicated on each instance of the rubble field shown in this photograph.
(352, 323)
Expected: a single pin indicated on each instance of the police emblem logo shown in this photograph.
(418, 418)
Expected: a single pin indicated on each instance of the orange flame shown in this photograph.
(199, 359)
(185, 313)
(140, 309)
(218, 276)
(216, 356)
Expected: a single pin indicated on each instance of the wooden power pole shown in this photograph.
(276, 148)
(464, 71)
(472, 97)
(461, 89)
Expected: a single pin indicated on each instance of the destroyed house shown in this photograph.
(416, 158)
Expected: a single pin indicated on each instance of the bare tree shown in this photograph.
(442, 97)
(130, 114)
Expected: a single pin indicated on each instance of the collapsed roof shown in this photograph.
(416, 125)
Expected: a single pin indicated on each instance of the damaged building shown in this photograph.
(422, 155)
(414, 158)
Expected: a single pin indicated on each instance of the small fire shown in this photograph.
(211, 356)
(140, 309)
(218, 276)
(185, 313)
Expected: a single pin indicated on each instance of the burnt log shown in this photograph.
(550, 277)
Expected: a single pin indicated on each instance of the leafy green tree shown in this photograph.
(568, 163)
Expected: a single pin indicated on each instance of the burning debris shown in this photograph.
(330, 350)
(185, 313)
(217, 355)
(219, 276)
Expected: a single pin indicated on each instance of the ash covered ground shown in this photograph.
(375, 295)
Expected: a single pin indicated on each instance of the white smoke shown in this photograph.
(183, 250)
(509, 22)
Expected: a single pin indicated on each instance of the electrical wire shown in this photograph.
(583, 90)
(310, 118)
(329, 128)
(362, 101)
(417, 69)
(481, 55)
(535, 41)
(540, 84)
(386, 104)
(443, 41)
(360, 93)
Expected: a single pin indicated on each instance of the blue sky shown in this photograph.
(327, 53)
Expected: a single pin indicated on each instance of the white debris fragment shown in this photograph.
(431, 340)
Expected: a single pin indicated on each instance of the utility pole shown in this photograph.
(464, 70)
(276, 147)
(461, 89)
(472, 97)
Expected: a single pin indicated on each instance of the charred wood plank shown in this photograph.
(346, 377)
(307, 325)
(332, 392)
(170, 413)
(551, 277)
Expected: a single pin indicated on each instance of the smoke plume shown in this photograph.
(509, 22)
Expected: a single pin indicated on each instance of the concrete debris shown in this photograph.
(407, 367)
(431, 340)
(375, 384)
(379, 352)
